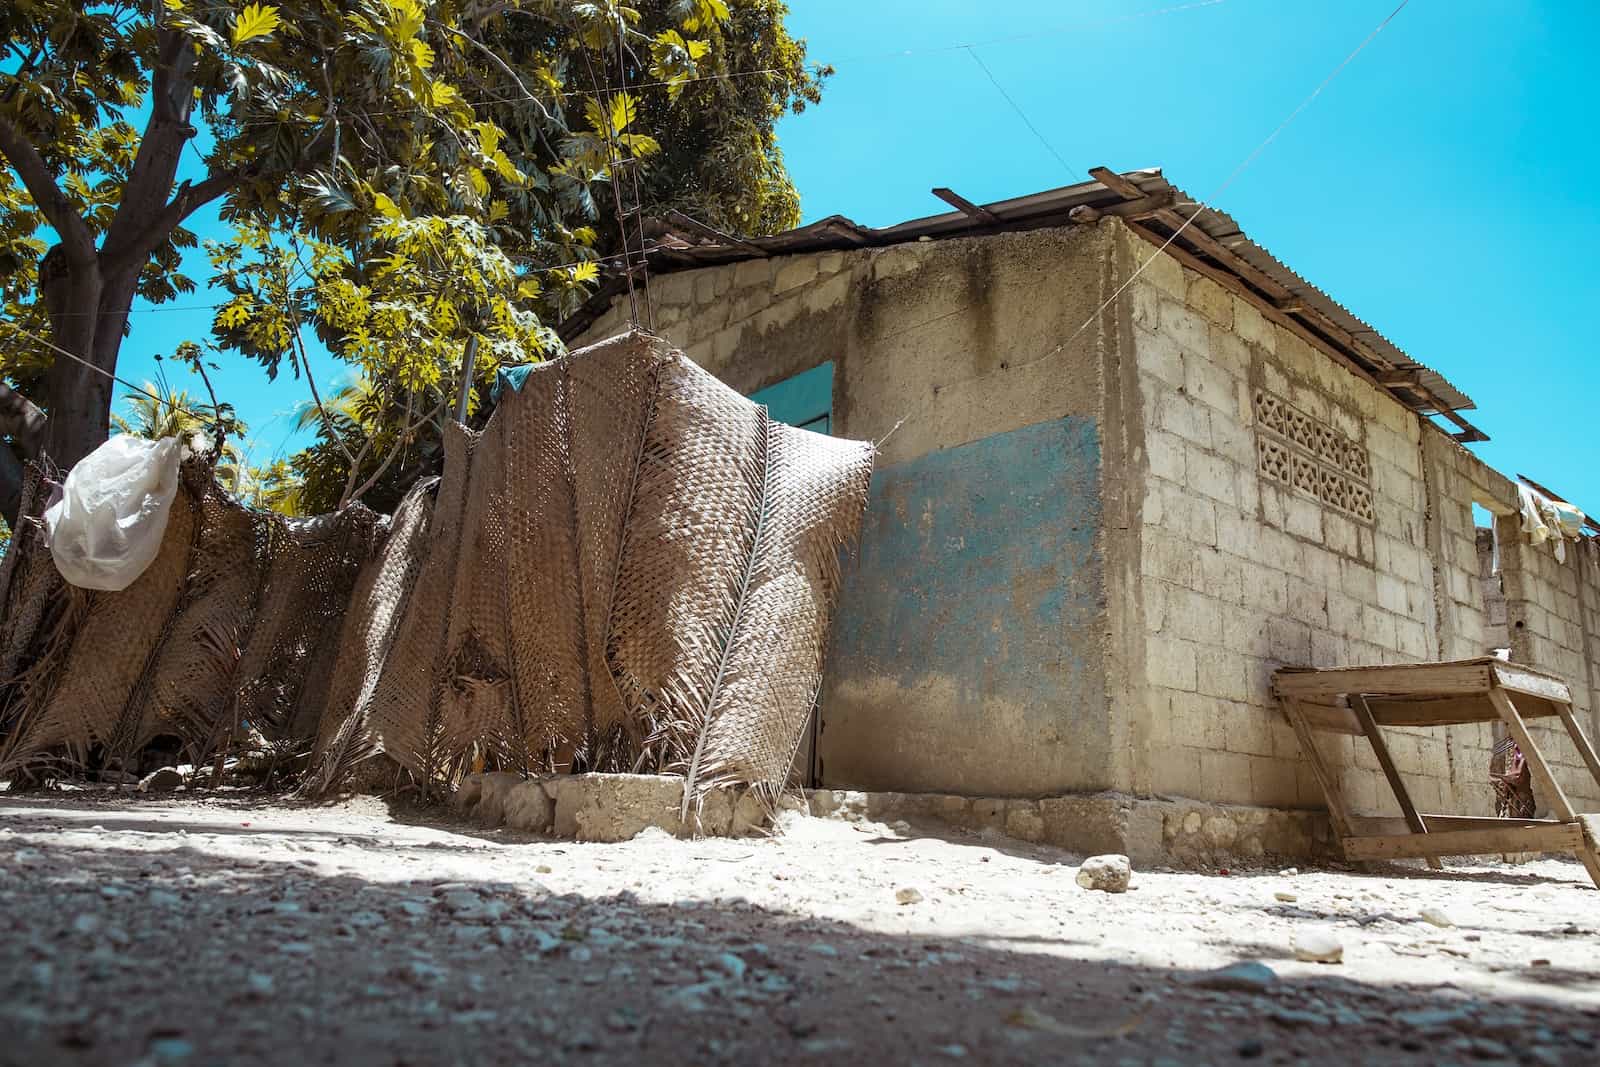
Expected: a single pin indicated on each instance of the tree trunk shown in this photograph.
(87, 316)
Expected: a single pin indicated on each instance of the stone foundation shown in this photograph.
(607, 807)
(1149, 832)
(616, 807)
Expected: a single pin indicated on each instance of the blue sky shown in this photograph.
(1438, 187)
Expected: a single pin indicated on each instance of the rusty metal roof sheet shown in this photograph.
(1207, 240)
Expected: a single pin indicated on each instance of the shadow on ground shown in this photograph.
(116, 956)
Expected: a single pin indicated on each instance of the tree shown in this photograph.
(348, 125)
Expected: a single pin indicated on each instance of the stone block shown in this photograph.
(1221, 673)
(1171, 662)
(1211, 475)
(1187, 418)
(1212, 385)
(1175, 771)
(528, 807)
(1165, 273)
(1024, 820)
(1302, 517)
(615, 807)
(1159, 358)
(754, 273)
(1288, 642)
(793, 272)
(1166, 454)
(1187, 327)
(1090, 824)
(494, 789)
(1196, 721)
(1252, 326)
(1225, 777)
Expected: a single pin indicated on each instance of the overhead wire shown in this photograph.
(1068, 167)
(1200, 208)
(101, 370)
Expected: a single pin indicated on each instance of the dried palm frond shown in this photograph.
(632, 567)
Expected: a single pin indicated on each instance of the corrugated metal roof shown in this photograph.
(1208, 240)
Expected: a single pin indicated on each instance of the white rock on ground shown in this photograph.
(1109, 874)
(628, 949)
(1318, 944)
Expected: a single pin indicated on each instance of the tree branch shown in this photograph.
(186, 201)
(76, 240)
(21, 421)
(505, 68)
(393, 452)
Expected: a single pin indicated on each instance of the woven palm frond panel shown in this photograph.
(232, 627)
(631, 568)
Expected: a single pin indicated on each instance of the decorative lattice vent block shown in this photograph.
(1303, 453)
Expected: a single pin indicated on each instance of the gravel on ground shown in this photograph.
(226, 929)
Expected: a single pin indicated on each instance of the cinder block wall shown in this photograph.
(1251, 559)
(969, 652)
(1081, 568)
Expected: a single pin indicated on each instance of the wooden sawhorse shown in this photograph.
(1361, 700)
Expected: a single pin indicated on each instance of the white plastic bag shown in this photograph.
(107, 526)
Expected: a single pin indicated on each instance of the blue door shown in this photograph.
(806, 400)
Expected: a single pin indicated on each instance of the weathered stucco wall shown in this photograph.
(977, 563)
(1291, 512)
(968, 654)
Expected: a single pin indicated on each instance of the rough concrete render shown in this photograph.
(1089, 547)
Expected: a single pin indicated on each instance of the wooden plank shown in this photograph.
(1449, 711)
(1137, 210)
(1553, 837)
(1358, 705)
(1338, 814)
(1116, 183)
(1331, 719)
(1197, 238)
(1580, 739)
(1542, 775)
(1392, 826)
(1439, 823)
(1430, 679)
(678, 218)
(965, 206)
(1520, 679)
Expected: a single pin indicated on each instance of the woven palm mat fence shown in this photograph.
(234, 625)
(631, 568)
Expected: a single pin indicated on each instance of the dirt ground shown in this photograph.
(211, 930)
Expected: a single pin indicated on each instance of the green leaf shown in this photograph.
(386, 207)
(624, 109)
(257, 20)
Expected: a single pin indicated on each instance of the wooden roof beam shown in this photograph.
(694, 225)
(1232, 283)
(965, 206)
(1194, 235)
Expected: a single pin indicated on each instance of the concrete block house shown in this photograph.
(1098, 525)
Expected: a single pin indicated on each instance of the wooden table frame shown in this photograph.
(1359, 701)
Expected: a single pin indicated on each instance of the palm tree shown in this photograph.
(274, 487)
(157, 410)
